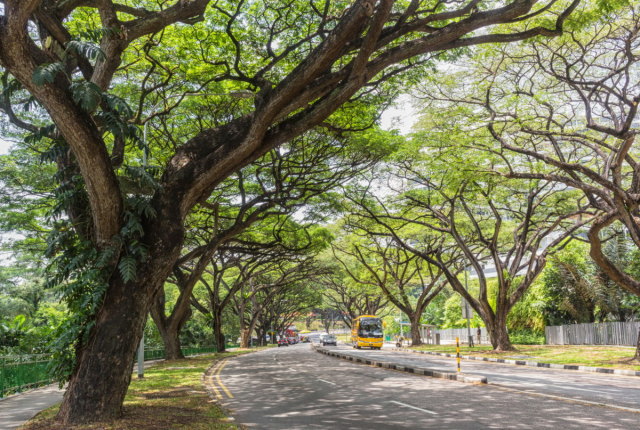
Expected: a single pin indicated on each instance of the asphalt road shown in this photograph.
(621, 392)
(297, 388)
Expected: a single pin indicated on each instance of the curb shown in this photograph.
(452, 376)
(608, 370)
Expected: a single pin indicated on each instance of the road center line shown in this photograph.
(414, 407)
(328, 382)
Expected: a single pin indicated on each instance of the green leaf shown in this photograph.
(127, 268)
(118, 105)
(46, 73)
(85, 49)
(87, 94)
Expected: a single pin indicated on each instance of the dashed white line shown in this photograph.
(328, 382)
(414, 407)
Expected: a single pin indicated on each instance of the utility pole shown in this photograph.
(467, 311)
(141, 358)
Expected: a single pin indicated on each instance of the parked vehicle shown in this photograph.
(292, 335)
(283, 341)
(328, 339)
(366, 331)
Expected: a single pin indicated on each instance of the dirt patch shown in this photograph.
(627, 361)
(179, 392)
(139, 418)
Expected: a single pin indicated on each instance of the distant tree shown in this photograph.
(349, 298)
(475, 218)
(408, 282)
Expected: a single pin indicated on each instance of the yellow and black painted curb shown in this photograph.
(452, 376)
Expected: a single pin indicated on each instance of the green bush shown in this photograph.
(526, 337)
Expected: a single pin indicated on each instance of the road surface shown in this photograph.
(297, 388)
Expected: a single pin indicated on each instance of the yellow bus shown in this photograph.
(366, 331)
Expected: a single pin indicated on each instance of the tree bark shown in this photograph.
(218, 336)
(108, 355)
(169, 328)
(637, 356)
(100, 379)
(245, 337)
(498, 334)
(172, 346)
(414, 319)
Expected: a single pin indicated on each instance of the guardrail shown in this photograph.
(23, 372)
(157, 354)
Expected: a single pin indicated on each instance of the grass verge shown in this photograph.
(171, 396)
(597, 356)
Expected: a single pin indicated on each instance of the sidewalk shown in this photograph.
(17, 409)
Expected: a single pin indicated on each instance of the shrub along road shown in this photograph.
(297, 388)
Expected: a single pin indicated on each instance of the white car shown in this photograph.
(328, 339)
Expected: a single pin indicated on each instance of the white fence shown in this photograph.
(612, 333)
(448, 335)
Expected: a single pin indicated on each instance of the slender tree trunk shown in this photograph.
(218, 336)
(416, 339)
(245, 337)
(260, 333)
(637, 356)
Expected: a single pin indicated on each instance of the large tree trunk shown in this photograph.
(168, 328)
(499, 335)
(171, 340)
(101, 377)
(414, 319)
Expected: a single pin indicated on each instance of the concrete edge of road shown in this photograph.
(608, 370)
(452, 376)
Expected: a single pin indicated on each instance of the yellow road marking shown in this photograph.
(215, 381)
(218, 371)
(214, 388)
(212, 382)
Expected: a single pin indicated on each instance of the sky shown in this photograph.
(4, 146)
(402, 116)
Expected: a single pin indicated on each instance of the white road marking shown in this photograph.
(328, 382)
(537, 384)
(414, 407)
(568, 399)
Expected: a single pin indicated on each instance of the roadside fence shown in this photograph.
(23, 372)
(611, 333)
(448, 335)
